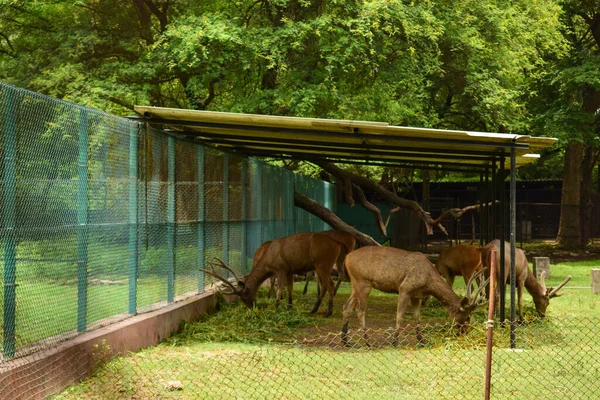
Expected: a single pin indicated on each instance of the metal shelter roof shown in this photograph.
(344, 141)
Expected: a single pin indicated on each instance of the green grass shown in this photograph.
(239, 353)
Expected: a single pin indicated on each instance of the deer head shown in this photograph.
(245, 296)
(473, 299)
(541, 302)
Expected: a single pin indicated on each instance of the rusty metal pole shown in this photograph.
(490, 326)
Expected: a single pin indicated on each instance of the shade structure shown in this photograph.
(344, 141)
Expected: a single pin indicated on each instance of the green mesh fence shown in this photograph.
(102, 218)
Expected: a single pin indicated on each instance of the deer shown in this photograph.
(524, 278)
(413, 277)
(462, 260)
(282, 258)
(349, 242)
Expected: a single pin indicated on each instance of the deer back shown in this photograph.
(387, 268)
(521, 264)
(459, 260)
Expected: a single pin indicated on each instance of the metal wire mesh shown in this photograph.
(102, 218)
(557, 360)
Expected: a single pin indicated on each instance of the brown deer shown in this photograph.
(462, 260)
(524, 278)
(412, 276)
(349, 242)
(284, 257)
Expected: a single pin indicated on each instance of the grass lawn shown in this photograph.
(289, 354)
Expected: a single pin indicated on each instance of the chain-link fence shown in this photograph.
(555, 359)
(102, 218)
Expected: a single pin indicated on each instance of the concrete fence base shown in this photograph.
(47, 372)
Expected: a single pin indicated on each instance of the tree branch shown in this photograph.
(326, 215)
(385, 194)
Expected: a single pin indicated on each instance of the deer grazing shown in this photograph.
(282, 258)
(524, 278)
(349, 242)
(412, 276)
(462, 260)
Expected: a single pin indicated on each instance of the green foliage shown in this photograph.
(450, 64)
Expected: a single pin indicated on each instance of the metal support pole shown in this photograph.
(225, 221)
(257, 190)
(171, 221)
(10, 240)
(494, 224)
(482, 209)
(133, 215)
(82, 211)
(244, 217)
(502, 283)
(486, 216)
(201, 217)
(513, 228)
(490, 325)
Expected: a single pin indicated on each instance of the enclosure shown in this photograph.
(104, 218)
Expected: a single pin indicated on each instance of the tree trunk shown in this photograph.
(569, 230)
(326, 215)
(587, 176)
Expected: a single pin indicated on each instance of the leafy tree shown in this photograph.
(567, 101)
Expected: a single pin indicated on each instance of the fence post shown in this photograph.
(257, 187)
(10, 245)
(171, 221)
(133, 216)
(201, 217)
(82, 200)
(225, 221)
(244, 216)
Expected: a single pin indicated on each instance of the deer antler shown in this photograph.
(478, 299)
(543, 281)
(226, 281)
(553, 292)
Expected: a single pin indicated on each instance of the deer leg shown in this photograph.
(403, 300)
(272, 282)
(357, 301)
(349, 306)
(416, 306)
(450, 280)
(308, 276)
(520, 300)
(290, 288)
(281, 282)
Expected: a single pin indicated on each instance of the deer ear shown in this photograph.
(463, 304)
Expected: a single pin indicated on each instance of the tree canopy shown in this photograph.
(522, 66)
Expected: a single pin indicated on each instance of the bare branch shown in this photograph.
(371, 207)
(326, 215)
(385, 194)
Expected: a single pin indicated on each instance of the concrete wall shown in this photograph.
(50, 371)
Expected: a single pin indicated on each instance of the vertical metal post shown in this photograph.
(482, 208)
(225, 222)
(201, 217)
(258, 192)
(10, 245)
(244, 216)
(502, 283)
(486, 216)
(82, 200)
(490, 325)
(513, 228)
(494, 222)
(133, 216)
(171, 221)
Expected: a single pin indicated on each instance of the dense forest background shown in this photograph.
(524, 66)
